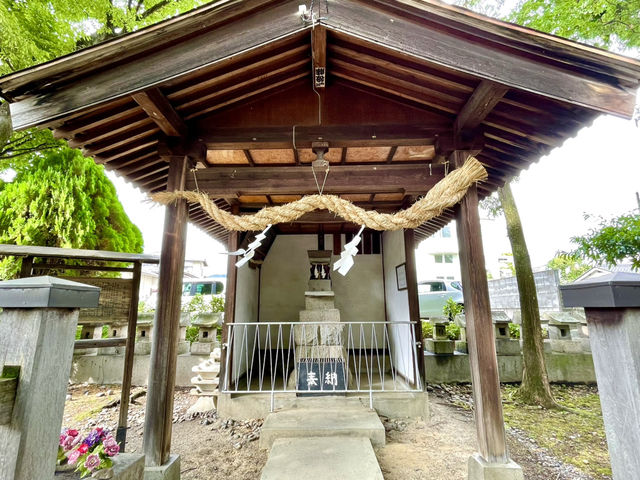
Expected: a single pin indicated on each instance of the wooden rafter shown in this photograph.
(481, 102)
(158, 108)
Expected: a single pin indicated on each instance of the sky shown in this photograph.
(597, 172)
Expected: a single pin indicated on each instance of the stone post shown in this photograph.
(612, 307)
(37, 332)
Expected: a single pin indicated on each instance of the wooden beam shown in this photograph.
(482, 348)
(229, 308)
(156, 105)
(411, 179)
(84, 344)
(162, 371)
(320, 73)
(123, 413)
(482, 100)
(319, 55)
(177, 148)
(221, 138)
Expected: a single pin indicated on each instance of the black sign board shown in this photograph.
(321, 376)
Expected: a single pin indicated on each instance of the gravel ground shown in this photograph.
(215, 448)
(537, 463)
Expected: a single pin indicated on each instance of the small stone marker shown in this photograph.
(37, 332)
(612, 307)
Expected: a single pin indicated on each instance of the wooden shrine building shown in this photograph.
(237, 98)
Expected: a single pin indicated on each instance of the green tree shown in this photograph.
(614, 240)
(569, 265)
(612, 24)
(603, 23)
(62, 199)
(534, 389)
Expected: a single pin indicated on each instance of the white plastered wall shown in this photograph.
(397, 304)
(285, 274)
(247, 284)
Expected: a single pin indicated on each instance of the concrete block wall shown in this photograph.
(561, 367)
(503, 292)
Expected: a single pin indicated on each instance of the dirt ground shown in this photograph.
(213, 448)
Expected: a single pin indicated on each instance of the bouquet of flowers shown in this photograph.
(89, 455)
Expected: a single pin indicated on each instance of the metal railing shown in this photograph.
(312, 358)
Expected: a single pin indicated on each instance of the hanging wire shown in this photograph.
(326, 173)
(195, 179)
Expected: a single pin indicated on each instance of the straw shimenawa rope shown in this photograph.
(444, 194)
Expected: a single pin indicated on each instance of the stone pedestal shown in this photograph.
(205, 383)
(320, 338)
(90, 332)
(612, 307)
(126, 466)
(183, 345)
(144, 329)
(564, 332)
(440, 343)
(167, 471)
(461, 345)
(208, 332)
(505, 345)
(116, 330)
(479, 469)
(37, 332)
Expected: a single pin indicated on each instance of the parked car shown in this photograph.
(433, 295)
(190, 288)
(204, 286)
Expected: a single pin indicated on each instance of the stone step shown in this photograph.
(328, 315)
(319, 301)
(347, 421)
(322, 458)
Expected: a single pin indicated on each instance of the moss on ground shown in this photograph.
(576, 438)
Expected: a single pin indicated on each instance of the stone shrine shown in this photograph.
(320, 353)
(205, 383)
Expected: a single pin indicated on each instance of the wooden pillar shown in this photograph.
(162, 371)
(412, 291)
(27, 267)
(482, 349)
(121, 433)
(229, 305)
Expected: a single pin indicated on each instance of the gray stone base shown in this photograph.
(204, 404)
(322, 458)
(440, 347)
(126, 466)
(461, 346)
(168, 471)
(505, 346)
(479, 469)
(202, 348)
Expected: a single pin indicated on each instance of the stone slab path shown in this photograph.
(333, 441)
(329, 420)
(322, 458)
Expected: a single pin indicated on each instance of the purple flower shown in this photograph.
(92, 462)
(93, 438)
(110, 445)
